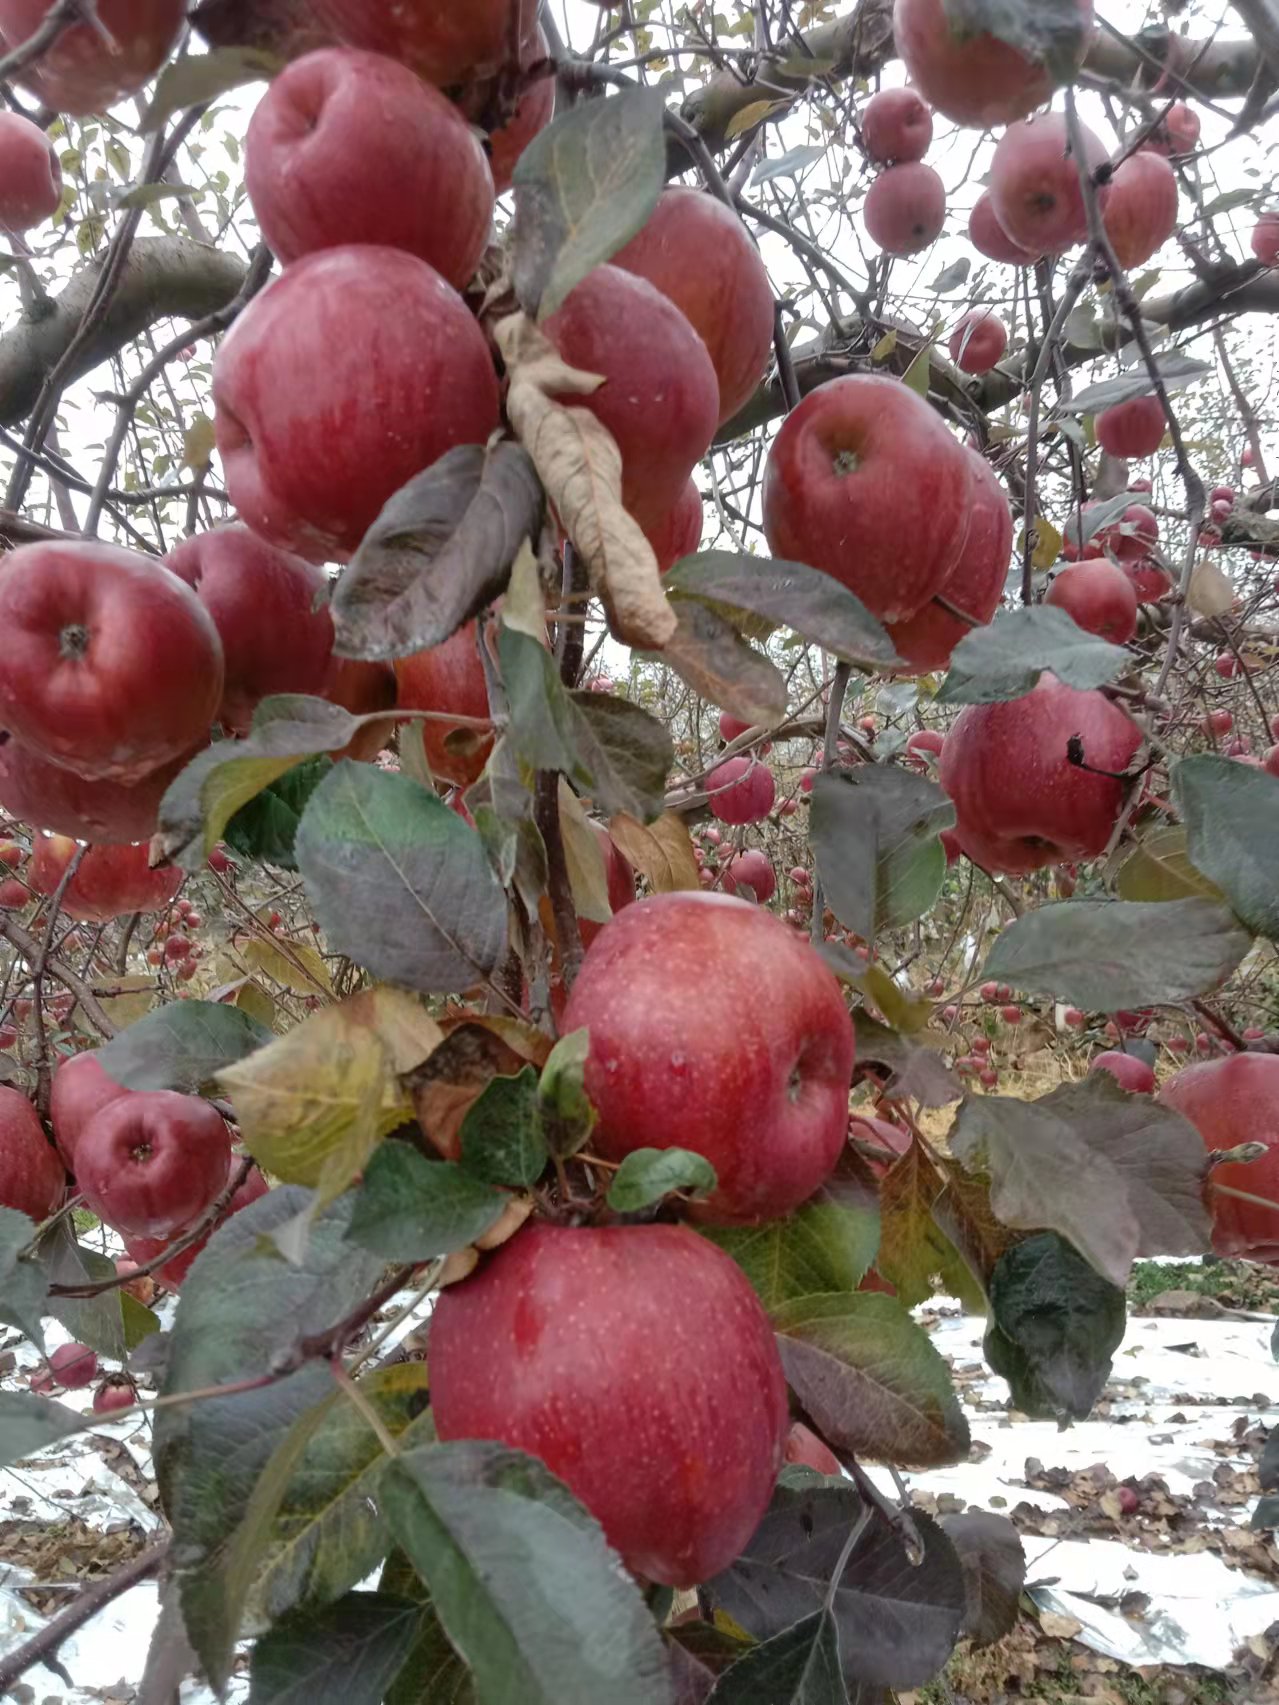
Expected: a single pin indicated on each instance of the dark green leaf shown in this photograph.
(1101, 954)
(412, 1209)
(712, 657)
(182, 1046)
(951, 277)
(1265, 1516)
(874, 832)
(994, 1565)
(918, 1072)
(197, 79)
(799, 1666)
(870, 1378)
(24, 1288)
(522, 1580)
(265, 829)
(1177, 372)
(348, 1653)
(1231, 813)
(97, 1321)
(1055, 1325)
(441, 549)
(502, 1137)
(433, 1673)
(583, 188)
(28, 1423)
(399, 882)
(1006, 659)
(784, 594)
(646, 1175)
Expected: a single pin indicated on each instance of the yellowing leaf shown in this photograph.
(1211, 593)
(662, 852)
(294, 965)
(1047, 545)
(584, 856)
(752, 115)
(904, 1012)
(252, 998)
(313, 1105)
(1159, 868)
(132, 999)
(885, 347)
(918, 374)
(198, 443)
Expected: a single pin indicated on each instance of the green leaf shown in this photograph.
(874, 833)
(28, 1423)
(1177, 372)
(869, 1377)
(1231, 813)
(951, 277)
(799, 1666)
(1055, 1325)
(441, 549)
(583, 187)
(1047, 32)
(1005, 660)
(24, 1288)
(502, 1137)
(994, 1565)
(568, 1118)
(1102, 954)
(265, 829)
(1159, 868)
(712, 657)
(784, 594)
(97, 1321)
(347, 1653)
(646, 1175)
(196, 80)
(411, 1209)
(182, 1046)
(399, 882)
(523, 1580)
(222, 779)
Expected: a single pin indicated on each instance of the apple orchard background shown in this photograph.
(364, 985)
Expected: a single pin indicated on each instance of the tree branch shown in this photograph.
(41, 1647)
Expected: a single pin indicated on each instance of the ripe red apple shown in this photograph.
(1270, 761)
(533, 112)
(660, 399)
(713, 1028)
(880, 1134)
(351, 147)
(1034, 184)
(113, 1396)
(978, 341)
(896, 126)
(1231, 1101)
(753, 870)
(73, 1366)
(701, 257)
(111, 881)
(865, 482)
(1226, 665)
(975, 583)
(926, 740)
(11, 854)
(638, 1364)
(1149, 580)
(30, 174)
(271, 612)
(741, 789)
(81, 1089)
(32, 1180)
(1218, 722)
(354, 371)
(109, 665)
(967, 73)
(151, 1162)
(1265, 242)
(362, 688)
(988, 236)
(1178, 131)
(1128, 1071)
(144, 1250)
(1132, 429)
(905, 208)
(679, 532)
(14, 895)
(806, 1450)
(447, 44)
(731, 726)
(46, 796)
(448, 677)
(1020, 803)
(91, 65)
(1099, 597)
(1141, 213)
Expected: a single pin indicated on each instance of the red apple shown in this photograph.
(32, 1180)
(978, 341)
(171, 1275)
(1149, 580)
(1099, 597)
(1128, 1071)
(92, 64)
(660, 399)
(1218, 722)
(30, 174)
(1020, 803)
(73, 1366)
(700, 256)
(1132, 429)
(11, 854)
(731, 726)
(14, 895)
(81, 1089)
(151, 1162)
(752, 870)
(1226, 665)
(975, 583)
(1265, 242)
(880, 1134)
(679, 532)
(865, 482)
(905, 208)
(448, 677)
(1178, 131)
(806, 1450)
(46, 796)
(969, 74)
(533, 112)
(713, 1028)
(354, 371)
(741, 789)
(109, 665)
(448, 44)
(637, 1363)
(987, 235)
(896, 126)
(1034, 184)
(362, 688)
(926, 740)
(351, 147)
(111, 881)
(271, 612)
(1270, 761)
(1141, 213)
(1231, 1101)
(112, 1397)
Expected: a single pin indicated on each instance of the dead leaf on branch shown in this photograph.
(580, 466)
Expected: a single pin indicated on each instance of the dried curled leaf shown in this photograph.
(580, 466)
